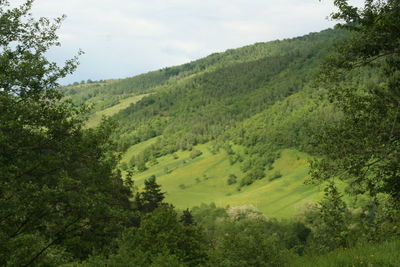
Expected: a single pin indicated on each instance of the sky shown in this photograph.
(123, 38)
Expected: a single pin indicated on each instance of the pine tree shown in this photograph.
(151, 198)
(187, 218)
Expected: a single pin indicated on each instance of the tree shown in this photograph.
(232, 179)
(187, 218)
(151, 198)
(331, 222)
(364, 146)
(248, 243)
(60, 196)
(159, 241)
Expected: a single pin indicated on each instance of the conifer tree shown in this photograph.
(187, 218)
(151, 198)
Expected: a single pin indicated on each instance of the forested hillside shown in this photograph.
(259, 99)
(198, 102)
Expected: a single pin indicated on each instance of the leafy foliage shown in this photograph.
(60, 196)
(247, 244)
(160, 236)
(330, 224)
(363, 147)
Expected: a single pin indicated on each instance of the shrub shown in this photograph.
(237, 213)
(275, 176)
(247, 180)
(228, 149)
(195, 153)
(246, 165)
(168, 170)
(232, 179)
(257, 173)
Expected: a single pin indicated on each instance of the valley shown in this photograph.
(258, 100)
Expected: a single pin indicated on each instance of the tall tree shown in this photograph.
(151, 198)
(364, 147)
(187, 218)
(59, 193)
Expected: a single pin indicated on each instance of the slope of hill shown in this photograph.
(199, 108)
(191, 181)
(244, 114)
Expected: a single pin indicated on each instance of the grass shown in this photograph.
(366, 254)
(136, 149)
(95, 118)
(190, 182)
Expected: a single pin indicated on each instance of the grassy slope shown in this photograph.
(205, 181)
(136, 149)
(96, 117)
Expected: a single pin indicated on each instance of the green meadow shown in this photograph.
(96, 117)
(189, 182)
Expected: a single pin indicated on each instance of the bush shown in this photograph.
(257, 173)
(275, 176)
(238, 213)
(246, 165)
(247, 180)
(233, 158)
(195, 153)
(232, 179)
(228, 149)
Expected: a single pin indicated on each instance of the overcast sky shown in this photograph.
(123, 38)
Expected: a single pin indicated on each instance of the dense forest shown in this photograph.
(70, 186)
(205, 98)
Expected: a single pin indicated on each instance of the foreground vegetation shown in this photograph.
(235, 122)
(364, 254)
(242, 236)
